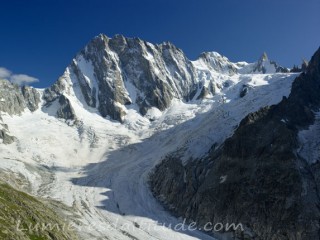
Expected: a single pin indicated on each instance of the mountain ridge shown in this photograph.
(113, 73)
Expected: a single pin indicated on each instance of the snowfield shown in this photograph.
(99, 167)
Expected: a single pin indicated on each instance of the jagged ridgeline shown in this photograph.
(111, 75)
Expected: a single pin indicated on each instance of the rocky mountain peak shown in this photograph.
(263, 58)
(112, 73)
(265, 65)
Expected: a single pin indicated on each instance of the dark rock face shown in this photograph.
(257, 177)
(105, 68)
(244, 91)
(280, 69)
(53, 92)
(56, 93)
(204, 93)
(65, 110)
(32, 97)
(6, 138)
(4, 133)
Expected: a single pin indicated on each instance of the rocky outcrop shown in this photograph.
(56, 96)
(244, 91)
(14, 99)
(204, 93)
(264, 65)
(65, 110)
(53, 92)
(4, 135)
(302, 68)
(257, 177)
(31, 97)
(107, 78)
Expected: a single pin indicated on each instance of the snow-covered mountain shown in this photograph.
(113, 75)
(91, 140)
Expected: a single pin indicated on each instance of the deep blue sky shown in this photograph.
(39, 38)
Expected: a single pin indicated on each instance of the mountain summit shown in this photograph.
(114, 74)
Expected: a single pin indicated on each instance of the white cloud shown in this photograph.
(4, 73)
(20, 79)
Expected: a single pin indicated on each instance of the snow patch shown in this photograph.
(310, 142)
(153, 114)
